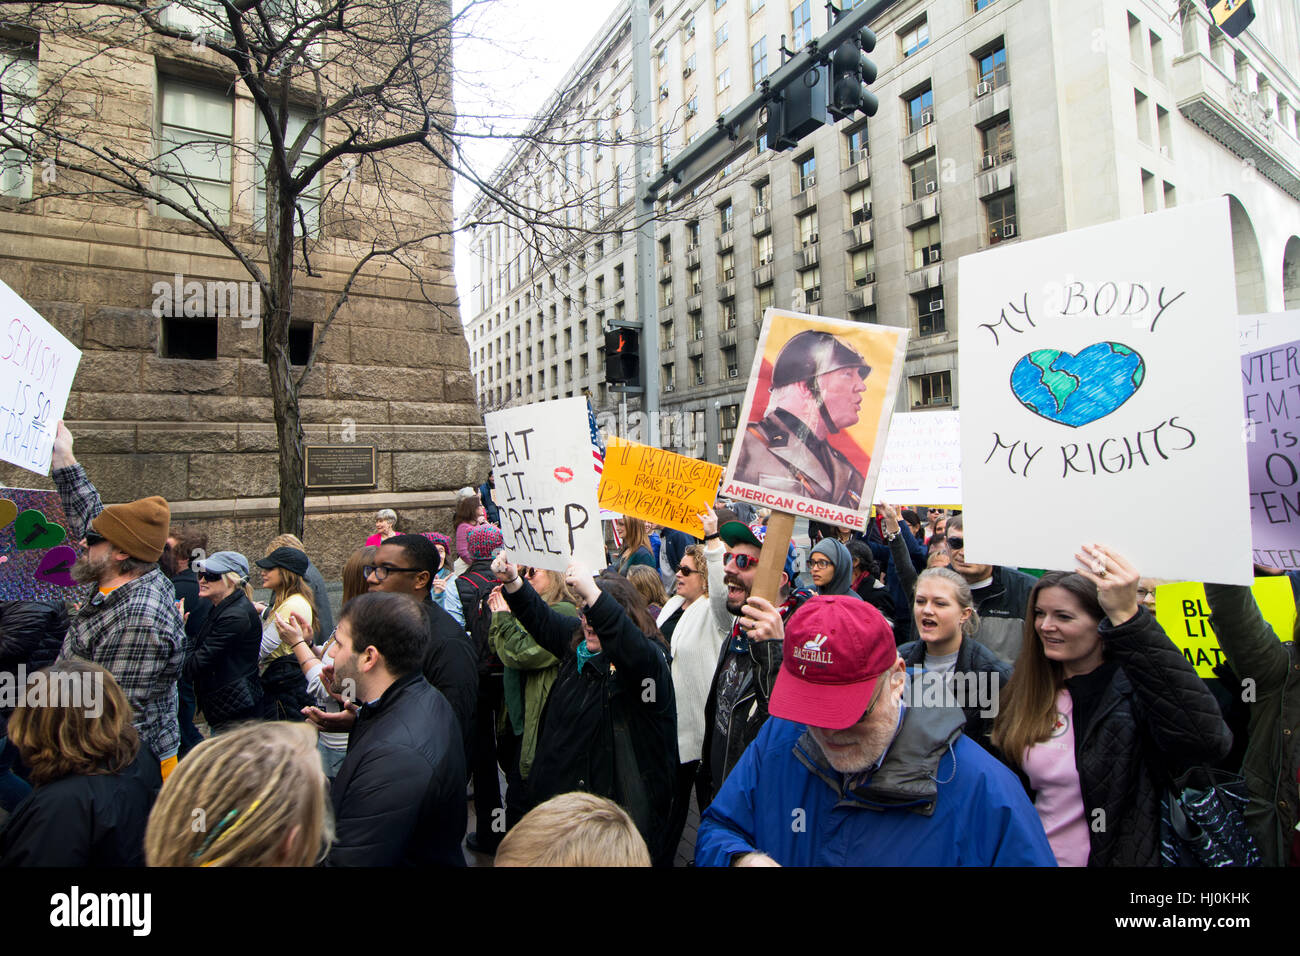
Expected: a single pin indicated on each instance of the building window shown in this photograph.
(860, 206)
(1001, 211)
(915, 37)
(807, 171)
(981, 4)
(766, 297)
(724, 80)
(857, 143)
(725, 217)
(719, 4)
(693, 233)
(763, 248)
(862, 266)
(997, 143)
(920, 110)
(929, 312)
(720, 36)
(618, 277)
(1148, 192)
(697, 369)
(808, 228)
(17, 93)
(801, 23)
(926, 249)
(727, 266)
(666, 333)
(666, 299)
(195, 148)
(993, 66)
(932, 389)
(188, 338)
(755, 6)
(758, 60)
(731, 362)
(728, 422)
(693, 281)
(810, 280)
(925, 176)
(728, 313)
(1171, 196)
(665, 257)
(762, 196)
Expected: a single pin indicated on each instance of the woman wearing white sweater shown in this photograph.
(696, 642)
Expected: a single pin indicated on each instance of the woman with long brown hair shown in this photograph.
(610, 723)
(636, 544)
(94, 781)
(1101, 714)
(284, 692)
(263, 801)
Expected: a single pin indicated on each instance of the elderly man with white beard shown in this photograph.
(844, 773)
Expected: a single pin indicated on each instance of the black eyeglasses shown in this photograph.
(210, 576)
(382, 571)
(741, 561)
(820, 563)
(956, 544)
(93, 538)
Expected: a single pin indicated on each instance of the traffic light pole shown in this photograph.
(731, 137)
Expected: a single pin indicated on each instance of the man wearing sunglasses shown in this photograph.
(848, 774)
(1000, 596)
(128, 622)
(747, 666)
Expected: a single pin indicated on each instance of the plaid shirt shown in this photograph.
(134, 631)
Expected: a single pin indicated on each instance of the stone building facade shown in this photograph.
(180, 406)
(999, 120)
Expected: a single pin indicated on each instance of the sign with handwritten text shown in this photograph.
(1099, 379)
(1271, 383)
(1267, 329)
(1183, 611)
(37, 366)
(37, 548)
(656, 485)
(922, 463)
(545, 471)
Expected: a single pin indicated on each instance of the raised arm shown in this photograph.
(1250, 643)
(80, 500)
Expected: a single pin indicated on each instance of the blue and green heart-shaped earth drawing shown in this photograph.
(1077, 389)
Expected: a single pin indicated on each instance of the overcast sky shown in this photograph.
(514, 55)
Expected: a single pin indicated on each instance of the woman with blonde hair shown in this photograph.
(574, 829)
(262, 798)
(284, 691)
(94, 780)
(221, 661)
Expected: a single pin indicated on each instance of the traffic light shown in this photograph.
(799, 110)
(623, 357)
(852, 72)
(1232, 16)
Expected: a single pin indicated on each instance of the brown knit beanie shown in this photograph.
(138, 528)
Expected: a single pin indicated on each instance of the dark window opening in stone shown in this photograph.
(300, 336)
(187, 338)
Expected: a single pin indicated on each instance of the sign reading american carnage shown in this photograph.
(815, 416)
(544, 464)
(1099, 369)
(656, 485)
(38, 366)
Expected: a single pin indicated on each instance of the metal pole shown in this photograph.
(644, 132)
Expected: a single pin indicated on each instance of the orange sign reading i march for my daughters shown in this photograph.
(657, 485)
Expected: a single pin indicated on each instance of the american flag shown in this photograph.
(597, 446)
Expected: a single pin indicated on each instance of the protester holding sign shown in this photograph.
(1272, 762)
(610, 721)
(1102, 713)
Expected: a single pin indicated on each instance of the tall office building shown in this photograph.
(999, 120)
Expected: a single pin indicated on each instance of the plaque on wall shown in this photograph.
(340, 466)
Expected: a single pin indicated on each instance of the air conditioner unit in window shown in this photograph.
(936, 305)
(663, 92)
(699, 380)
(984, 89)
(813, 295)
(988, 161)
(669, 387)
(1008, 231)
(932, 254)
(764, 260)
(729, 274)
(760, 210)
(931, 186)
(699, 334)
(1164, 151)
(942, 400)
(927, 117)
(809, 181)
(869, 278)
(688, 71)
(733, 373)
(690, 112)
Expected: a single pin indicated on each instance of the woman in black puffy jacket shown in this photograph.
(609, 726)
(222, 660)
(1101, 714)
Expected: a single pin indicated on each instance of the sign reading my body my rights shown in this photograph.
(1099, 376)
(546, 484)
(656, 485)
(37, 366)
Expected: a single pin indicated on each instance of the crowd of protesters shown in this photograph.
(891, 704)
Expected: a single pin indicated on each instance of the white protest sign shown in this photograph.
(1267, 330)
(1100, 380)
(546, 482)
(37, 366)
(922, 463)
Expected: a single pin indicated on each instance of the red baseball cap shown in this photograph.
(836, 648)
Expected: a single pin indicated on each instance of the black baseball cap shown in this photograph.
(291, 559)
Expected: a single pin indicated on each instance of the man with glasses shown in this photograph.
(1000, 597)
(847, 774)
(128, 623)
(747, 666)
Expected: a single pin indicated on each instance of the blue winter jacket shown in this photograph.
(785, 800)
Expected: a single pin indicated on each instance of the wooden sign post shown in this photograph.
(771, 560)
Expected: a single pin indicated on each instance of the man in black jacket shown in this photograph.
(399, 797)
(406, 564)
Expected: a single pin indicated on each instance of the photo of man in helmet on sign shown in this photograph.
(816, 391)
(816, 415)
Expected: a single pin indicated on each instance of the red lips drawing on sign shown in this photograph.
(563, 474)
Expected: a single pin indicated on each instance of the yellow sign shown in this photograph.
(656, 485)
(1183, 611)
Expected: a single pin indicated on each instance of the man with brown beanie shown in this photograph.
(128, 623)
